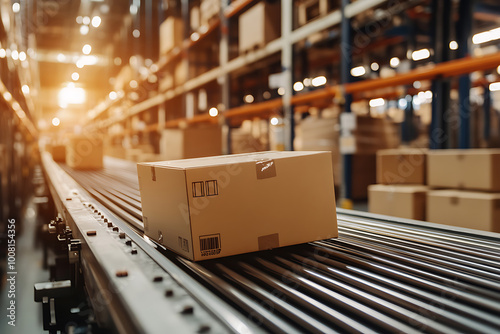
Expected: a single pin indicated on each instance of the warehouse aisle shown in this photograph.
(29, 263)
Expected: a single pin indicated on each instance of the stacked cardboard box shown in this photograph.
(401, 191)
(373, 134)
(171, 34)
(258, 26)
(251, 136)
(320, 134)
(473, 197)
(192, 142)
(311, 9)
(209, 10)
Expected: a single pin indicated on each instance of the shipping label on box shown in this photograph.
(219, 206)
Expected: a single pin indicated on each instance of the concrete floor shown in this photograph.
(29, 267)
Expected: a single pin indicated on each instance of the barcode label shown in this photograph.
(210, 244)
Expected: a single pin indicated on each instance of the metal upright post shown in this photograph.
(287, 67)
(224, 78)
(439, 137)
(464, 29)
(345, 72)
(487, 111)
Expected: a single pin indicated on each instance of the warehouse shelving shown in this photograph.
(282, 49)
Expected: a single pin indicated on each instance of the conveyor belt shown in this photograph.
(380, 275)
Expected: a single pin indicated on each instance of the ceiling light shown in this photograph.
(394, 62)
(133, 9)
(84, 30)
(486, 36)
(7, 96)
(453, 45)
(374, 66)
(377, 102)
(117, 61)
(75, 76)
(61, 58)
(86, 20)
(420, 54)
(136, 33)
(3, 53)
(417, 84)
(133, 84)
(281, 91)
(274, 121)
(86, 49)
(307, 82)
(113, 95)
(358, 71)
(298, 86)
(14, 55)
(266, 95)
(22, 56)
(318, 81)
(213, 112)
(56, 121)
(248, 98)
(16, 7)
(96, 21)
(402, 103)
(495, 86)
(71, 95)
(79, 19)
(25, 89)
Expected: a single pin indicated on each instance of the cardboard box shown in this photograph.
(209, 9)
(171, 34)
(226, 205)
(469, 209)
(181, 73)
(85, 152)
(258, 26)
(191, 142)
(311, 9)
(476, 169)
(58, 153)
(401, 200)
(401, 166)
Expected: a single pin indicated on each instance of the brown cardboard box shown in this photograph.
(191, 142)
(311, 9)
(171, 34)
(401, 200)
(259, 25)
(181, 73)
(84, 152)
(209, 9)
(401, 166)
(373, 134)
(219, 206)
(58, 153)
(469, 209)
(464, 169)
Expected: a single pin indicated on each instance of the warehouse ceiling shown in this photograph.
(61, 29)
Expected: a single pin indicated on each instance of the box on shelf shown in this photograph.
(171, 34)
(251, 136)
(258, 26)
(209, 9)
(311, 9)
(320, 134)
(401, 200)
(373, 134)
(181, 72)
(85, 152)
(226, 205)
(477, 210)
(192, 142)
(464, 169)
(58, 153)
(401, 166)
